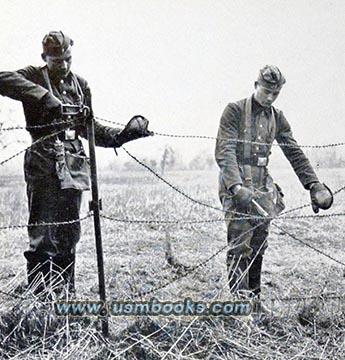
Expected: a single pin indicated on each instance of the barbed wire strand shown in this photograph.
(251, 218)
(234, 140)
(195, 267)
(173, 186)
(69, 222)
(207, 221)
(309, 245)
(336, 192)
(322, 296)
(42, 126)
(244, 215)
(191, 269)
(172, 222)
(43, 138)
(205, 137)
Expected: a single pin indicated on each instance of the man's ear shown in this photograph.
(43, 56)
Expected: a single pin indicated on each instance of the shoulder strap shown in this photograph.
(273, 126)
(247, 145)
(46, 78)
(247, 136)
(78, 88)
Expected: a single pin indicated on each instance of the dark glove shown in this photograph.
(243, 198)
(52, 106)
(135, 129)
(321, 197)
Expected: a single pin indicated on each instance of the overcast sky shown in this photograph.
(180, 62)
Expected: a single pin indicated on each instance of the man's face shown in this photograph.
(264, 96)
(59, 66)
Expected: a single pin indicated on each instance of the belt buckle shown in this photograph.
(262, 161)
(70, 134)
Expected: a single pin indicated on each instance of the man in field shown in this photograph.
(246, 133)
(57, 105)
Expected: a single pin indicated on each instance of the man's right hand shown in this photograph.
(52, 106)
(242, 196)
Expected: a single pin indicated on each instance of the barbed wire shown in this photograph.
(192, 221)
(205, 137)
(204, 262)
(250, 218)
(193, 268)
(74, 122)
(176, 188)
(59, 223)
(240, 214)
(322, 296)
(290, 298)
(41, 139)
(309, 245)
(234, 140)
(336, 192)
(190, 269)
(43, 126)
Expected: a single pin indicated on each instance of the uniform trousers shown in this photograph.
(52, 247)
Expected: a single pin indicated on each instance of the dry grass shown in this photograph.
(135, 261)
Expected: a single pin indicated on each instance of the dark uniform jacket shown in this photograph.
(229, 152)
(29, 86)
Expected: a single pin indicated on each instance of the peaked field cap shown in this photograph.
(271, 77)
(55, 43)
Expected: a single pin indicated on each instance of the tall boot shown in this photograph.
(255, 274)
(255, 285)
(238, 274)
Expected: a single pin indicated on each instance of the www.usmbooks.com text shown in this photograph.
(153, 307)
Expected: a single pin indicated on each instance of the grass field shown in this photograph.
(135, 261)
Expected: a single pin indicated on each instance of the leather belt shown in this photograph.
(260, 161)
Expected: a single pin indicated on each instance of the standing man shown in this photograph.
(57, 105)
(246, 133)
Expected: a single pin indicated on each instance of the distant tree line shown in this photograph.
(327, 158)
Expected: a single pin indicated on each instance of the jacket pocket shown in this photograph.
(74, 172)
(280, 204)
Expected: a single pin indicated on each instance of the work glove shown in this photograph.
(135, 129)
(243, 197)
(51, 106)
(321, 197)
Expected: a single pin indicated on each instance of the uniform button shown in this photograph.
(64, 92)
(61, 81)
(259, 137)
(261, 125)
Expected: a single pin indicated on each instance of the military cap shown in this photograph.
(271, 78)
(55, 43)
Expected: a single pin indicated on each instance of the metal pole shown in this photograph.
(95, 207)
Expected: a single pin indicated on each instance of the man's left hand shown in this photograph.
(135, 129)
(321, 197)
